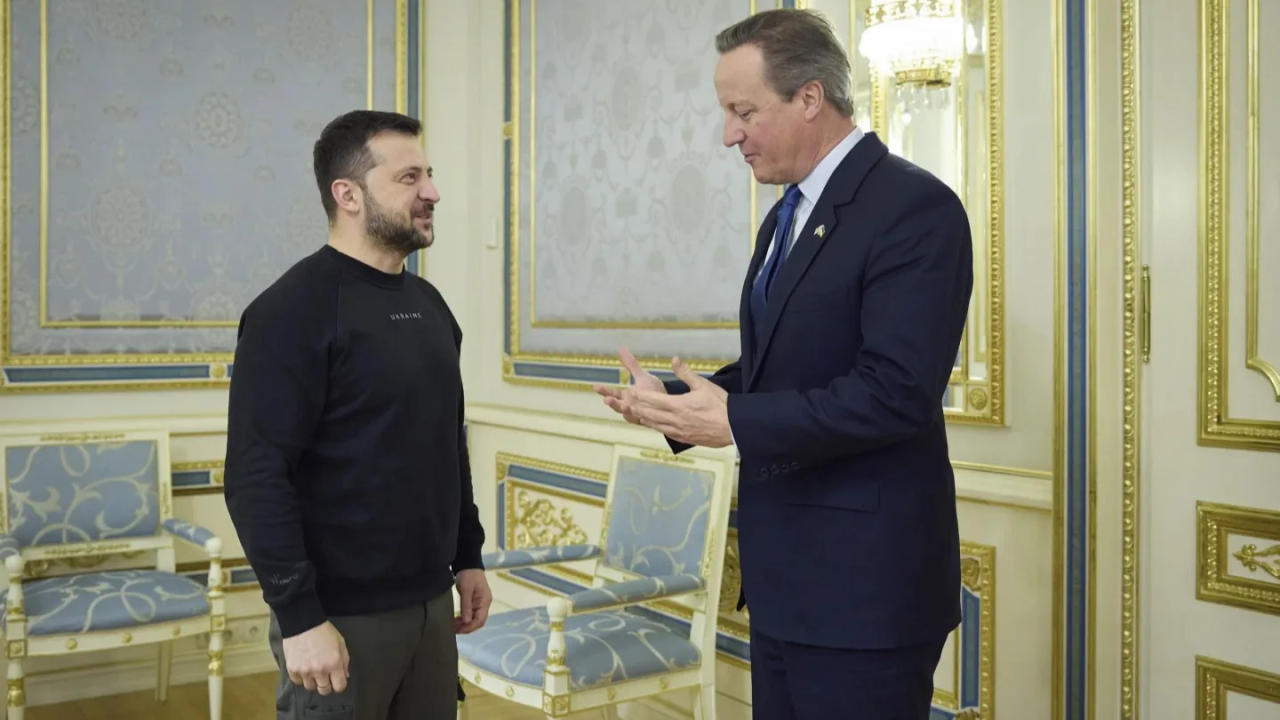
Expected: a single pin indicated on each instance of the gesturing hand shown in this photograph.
(644, 380)
(698, 417)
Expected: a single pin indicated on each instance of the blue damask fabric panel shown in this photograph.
(188, 531)
(603, 647)
(82, 492)
(658, 522)
(107, 601)
(634, 591)
(524, 557)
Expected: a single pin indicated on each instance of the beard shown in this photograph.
(391, 232)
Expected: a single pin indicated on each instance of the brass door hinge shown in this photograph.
(1146, 314)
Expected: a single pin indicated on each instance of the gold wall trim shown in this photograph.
(505, 459)
(978, 573)
(1003, 470)
(539, 520)
(44, 321)
(217, 361)
(512, 516)
(1059, 351)
(1253, 206)
(402, 55)
(1214, 679)
(1130, 584)
(1216, 552)
(215, 468)
(1217, 427)
(983, 400)
(369, 43)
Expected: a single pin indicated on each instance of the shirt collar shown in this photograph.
(813, 184)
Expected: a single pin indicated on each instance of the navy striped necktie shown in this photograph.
(764, 279)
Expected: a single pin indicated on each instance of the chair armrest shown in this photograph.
(8, 547)
(633, 592)
(194, 534)
(545, 555)
(11, 559)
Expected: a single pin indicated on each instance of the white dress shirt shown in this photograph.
(812, 186)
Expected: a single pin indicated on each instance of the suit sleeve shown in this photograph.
(277, 395)
(728, 377)
(915, 300)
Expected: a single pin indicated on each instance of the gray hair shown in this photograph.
(798, 46)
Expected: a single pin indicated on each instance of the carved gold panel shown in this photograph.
(1232, 238)
(1215, 680)
(1238, 557)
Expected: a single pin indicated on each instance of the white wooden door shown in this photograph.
(1209, 517)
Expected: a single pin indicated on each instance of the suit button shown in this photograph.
(773, 469)
(764, 472)
(795, 466)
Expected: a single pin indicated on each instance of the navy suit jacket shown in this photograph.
(846, 498)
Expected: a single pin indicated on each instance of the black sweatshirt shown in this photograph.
(347, 476)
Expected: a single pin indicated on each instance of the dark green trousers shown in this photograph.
(404, 666)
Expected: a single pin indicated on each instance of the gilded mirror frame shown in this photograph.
(971, 400)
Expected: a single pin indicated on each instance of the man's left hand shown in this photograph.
(474, 598)
(698, 417)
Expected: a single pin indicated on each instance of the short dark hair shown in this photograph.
(798, 46)
(343, 148)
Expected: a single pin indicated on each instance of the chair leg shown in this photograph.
(17, 696)
(215, 676)
(704, 707)
(609, 712)
(164, 662)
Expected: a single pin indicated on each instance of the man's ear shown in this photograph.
(812, 94)
(347, 195)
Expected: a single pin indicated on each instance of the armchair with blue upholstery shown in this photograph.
(663, 538)
(83, 496)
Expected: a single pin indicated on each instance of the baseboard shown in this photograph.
(134, 675)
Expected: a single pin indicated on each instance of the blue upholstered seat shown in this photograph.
(601, 647)
(107, 601)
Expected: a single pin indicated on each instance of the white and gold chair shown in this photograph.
(80, 496)
(663, 538)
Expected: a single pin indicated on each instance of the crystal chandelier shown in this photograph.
(917, 42)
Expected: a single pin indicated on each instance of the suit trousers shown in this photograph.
(404, 664)
(790, 681)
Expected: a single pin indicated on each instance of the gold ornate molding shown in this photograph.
(1253, 207)
(1132, 335)
(983, 401)
(537, 522)
(1215, 527)
(1217, 427)
(1254, 559)
(531, 521)
(978, 573)
(1214, 679)
(216, 362)
(731, 580)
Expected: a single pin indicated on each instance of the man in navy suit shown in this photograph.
(851, 316)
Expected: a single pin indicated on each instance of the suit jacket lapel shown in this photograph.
(746, 322)
(839, 191)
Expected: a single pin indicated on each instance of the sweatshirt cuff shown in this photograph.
(467, 559)
(300, 615)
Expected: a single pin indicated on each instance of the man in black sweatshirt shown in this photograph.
(347, 475)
